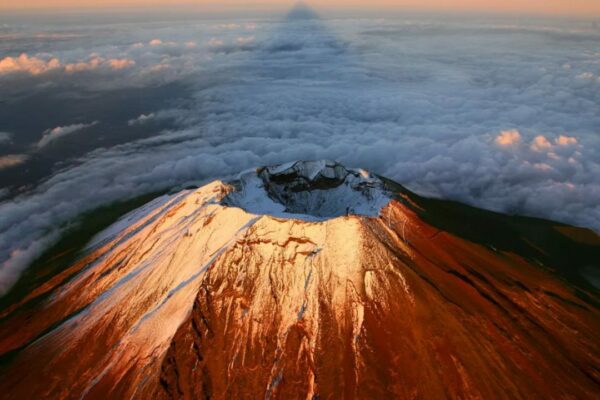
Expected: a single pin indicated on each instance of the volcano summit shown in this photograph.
(312, 281)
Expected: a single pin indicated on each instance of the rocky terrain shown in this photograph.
(312, 281)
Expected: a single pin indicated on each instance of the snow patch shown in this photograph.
(308, 190)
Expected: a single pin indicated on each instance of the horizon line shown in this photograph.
(278, 8)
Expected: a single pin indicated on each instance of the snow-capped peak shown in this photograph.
(308, 190)
(195, 295)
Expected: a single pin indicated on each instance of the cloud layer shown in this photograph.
(494, 114)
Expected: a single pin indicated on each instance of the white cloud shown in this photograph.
(542, 166)
(508, 138)
(244, 40)
(215, 42)
(80, 66)
(120, 63)
(37, 66)
(60, 131)
(142, 119)
(540, 143)
(565, 140)
(96, 62)
(585, 75)
(28, 65)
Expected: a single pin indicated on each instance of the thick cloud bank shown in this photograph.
(493, 113)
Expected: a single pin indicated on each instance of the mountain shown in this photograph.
(312, 281)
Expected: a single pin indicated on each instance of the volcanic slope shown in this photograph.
(312, 281)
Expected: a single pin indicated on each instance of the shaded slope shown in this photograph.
(564, 249)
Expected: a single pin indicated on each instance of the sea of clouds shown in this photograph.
(501, 114)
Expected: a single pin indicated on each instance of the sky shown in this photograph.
(588, 8)
(497, 112)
